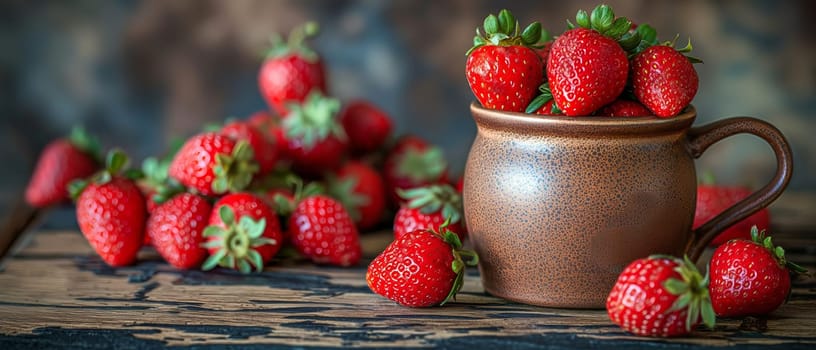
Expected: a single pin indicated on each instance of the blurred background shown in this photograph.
(139, 73)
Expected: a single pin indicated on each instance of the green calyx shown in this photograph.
(296, 43)
(233, 172)
(314, 120)
(236, 243)
(115, 164)
(692, 294)
(285, 207)
(542, 99)
(461, 258)
(760, 238)
(86, 143)
(343, 190)
(603, 20)
(431, 199)
(420, 165)
(155, 172)
(503, 30)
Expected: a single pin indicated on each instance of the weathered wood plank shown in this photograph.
(56, 292)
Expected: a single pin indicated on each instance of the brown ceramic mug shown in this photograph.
(556, 207)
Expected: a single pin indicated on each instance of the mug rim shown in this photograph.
(584, 124)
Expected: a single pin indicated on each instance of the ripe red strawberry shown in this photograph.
(264, 150)
(587, 67)
(212, 163)
(361, 190)
(175, 229)
(420, 269)
(503, 69)
(291, 70)
(428, 208)
(411, 163)
(111, 214)
(660, 296)
(664, 80)
(750, 278)
(322, 230)
(61, 161)
(714, 199)
(316, 142)
(367, 126)
(243, 233)
(624, 108)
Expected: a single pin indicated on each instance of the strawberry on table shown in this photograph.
(428, 208)
(660, 296)
(111, 212)
(713, 199)
(750, 277)
(421, 268)
(412, 162)
(243, 233)
(361, 190)
(291, 70)
(316, 142)
(175, 229)
(60, 162)
(367, 126)
(212, 164)
(503, 67)
(322, 230)
(587, 66)
(664, 79)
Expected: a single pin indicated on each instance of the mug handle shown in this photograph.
(700, 138)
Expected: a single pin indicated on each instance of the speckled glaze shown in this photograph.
(557, 206)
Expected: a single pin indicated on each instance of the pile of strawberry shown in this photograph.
(310, 173)
(602, 65)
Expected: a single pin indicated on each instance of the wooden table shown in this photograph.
(55, 292)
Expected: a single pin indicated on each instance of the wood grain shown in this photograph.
(56, 293)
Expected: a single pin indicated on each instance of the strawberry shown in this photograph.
(660, 296)
(543, 104)
(322, 230)
(714, 199)
(291, 70)
(212, 163)
(316, 142)
(428, 208)
(110, 211)
(503, 69)
(460, 184)
(361, 190)
(411, 163)
(175, 229)
(264, 150)
(587, 67)
(367, 126)
(420, 269)
(624, 108)
(750, 277)
(62, 161)
(664, 80)
(243, 233)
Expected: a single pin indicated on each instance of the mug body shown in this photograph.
(556, 207)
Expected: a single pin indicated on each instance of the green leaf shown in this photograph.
(629, 42)
(507, 22)
(692, 315)
(457, 285)
(682, 302)
(255, 229)
(76, 187)
(214, 260)
(707, 310)
(675, 286)
(116, 161)
(227, 215)
(220, 185)
(214, 231)
(491, 24)
(582, 18)
(85, 142)
(531, 34)
(256, 260)
(104, 177)
(243, 266)
(601, 18)
(647, 34)
(212, 244)
(537, 103)
(457, 266)
(619, 27)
